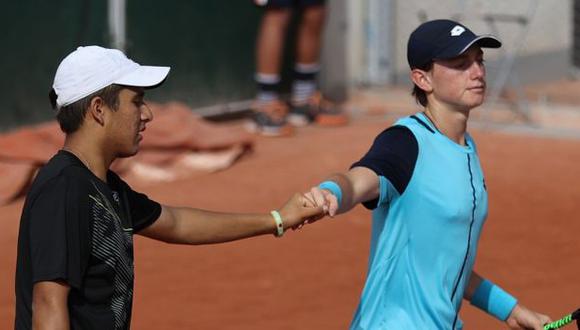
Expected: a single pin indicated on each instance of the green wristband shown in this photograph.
(279, 223)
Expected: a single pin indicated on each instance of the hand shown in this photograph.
(324, 198)
(523, 318)
(300, 210)
(310, 203)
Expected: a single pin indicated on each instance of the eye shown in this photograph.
(461, 64)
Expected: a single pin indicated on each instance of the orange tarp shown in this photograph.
(176, 143)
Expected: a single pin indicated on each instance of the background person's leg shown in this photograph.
(270, 41)
(307, 104)
(269, 112)
(309, 33)
(306, 67)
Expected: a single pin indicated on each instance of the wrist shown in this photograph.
(279, 222)
(334, 189)
(493, 300)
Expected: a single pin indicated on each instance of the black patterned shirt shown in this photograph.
(78, 229)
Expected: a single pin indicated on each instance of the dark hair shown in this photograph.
(70, 117)
(418, 93)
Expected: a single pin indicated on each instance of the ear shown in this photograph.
(96, 110)
(422, 79)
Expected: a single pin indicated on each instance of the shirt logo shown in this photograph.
(116, 197)
(457, 30)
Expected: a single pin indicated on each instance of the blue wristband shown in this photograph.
(493, 300)
(334, 188)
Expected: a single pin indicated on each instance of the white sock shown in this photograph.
(304, 85)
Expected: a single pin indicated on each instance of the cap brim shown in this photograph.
(484, 41)
(144, 76)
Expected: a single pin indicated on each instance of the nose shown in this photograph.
(477, 70)
(146, 113)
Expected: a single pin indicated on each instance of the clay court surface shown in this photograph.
(312, 279)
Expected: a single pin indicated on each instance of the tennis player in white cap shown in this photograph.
(75, 247)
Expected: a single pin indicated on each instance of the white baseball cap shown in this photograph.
(91, 68)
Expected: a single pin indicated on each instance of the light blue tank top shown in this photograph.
(424, 241)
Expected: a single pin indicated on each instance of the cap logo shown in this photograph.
(457, 30)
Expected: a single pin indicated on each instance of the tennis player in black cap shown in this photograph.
(424, 183)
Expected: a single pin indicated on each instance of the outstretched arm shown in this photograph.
(182, 225)
(493, 300)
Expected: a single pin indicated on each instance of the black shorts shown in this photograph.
(288, 3)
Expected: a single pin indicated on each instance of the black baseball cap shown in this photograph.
(443, 39)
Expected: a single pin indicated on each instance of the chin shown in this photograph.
(129, 153)
(475, 105)
(475, 102)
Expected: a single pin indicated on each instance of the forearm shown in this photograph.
(472, 285)
(196, 226)
(489, 297)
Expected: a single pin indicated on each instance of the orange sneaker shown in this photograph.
(319, 110)
(269, 119)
